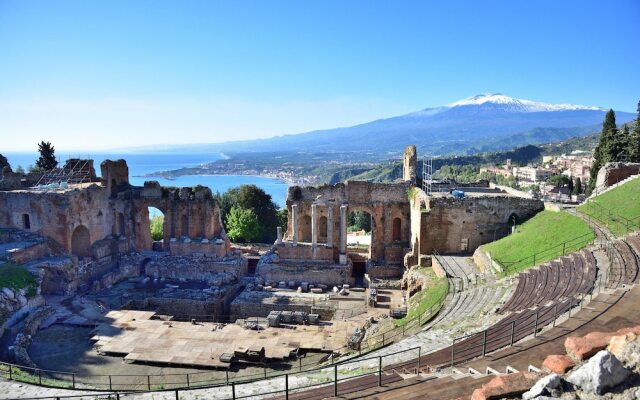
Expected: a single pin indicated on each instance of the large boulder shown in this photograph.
(544, 386)
(603, 371)
(626, 348)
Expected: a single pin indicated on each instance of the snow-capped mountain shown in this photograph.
(480, 123)
(517, 105)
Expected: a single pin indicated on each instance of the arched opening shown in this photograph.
(26, 222)
(322, 229)
(156, 227)
(305, 229)
(359, 227)
(81, 242)
(184, 225)
(397, 230)
(359, 236)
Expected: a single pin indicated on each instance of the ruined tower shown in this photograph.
(409, 164)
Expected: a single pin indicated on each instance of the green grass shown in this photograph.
(608, 208)
(17, 277)
(431, 294)
(544, 237)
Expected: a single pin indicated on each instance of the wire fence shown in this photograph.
(615, 223)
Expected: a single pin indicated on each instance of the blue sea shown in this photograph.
(145, 163)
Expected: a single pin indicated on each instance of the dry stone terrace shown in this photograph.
(194, 302)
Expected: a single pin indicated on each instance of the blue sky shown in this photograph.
(110, 74)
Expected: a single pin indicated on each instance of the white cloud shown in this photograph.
(78, 124)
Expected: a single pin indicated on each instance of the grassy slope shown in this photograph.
(542, 235)
(17, 277)
(429, 296)
(622, 201)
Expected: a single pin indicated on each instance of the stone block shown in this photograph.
(510, 385)
(580, 348)
(558, 363)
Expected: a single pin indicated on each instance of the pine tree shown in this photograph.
(605, 148)
(634, 140)
(47, 160)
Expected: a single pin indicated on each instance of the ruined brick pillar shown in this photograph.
(409, 164)
(330, 225)
(294, 224)
(279, 235)
(343, 234)
(314, 226)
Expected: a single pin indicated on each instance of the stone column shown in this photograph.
(343, 234)
(294, 224)
(279, 233)
(330, 226)
(314, 226)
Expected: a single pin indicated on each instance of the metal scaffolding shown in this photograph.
(75, 171)
(427, 174)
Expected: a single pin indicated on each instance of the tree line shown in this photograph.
(45, 162)
(615, 145)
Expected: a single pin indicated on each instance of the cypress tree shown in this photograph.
(47, 160)
(605, 147)
(577, 188)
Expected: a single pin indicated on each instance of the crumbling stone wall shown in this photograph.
(384, 202)
(77, 218)
(451, 225)
(215, 271)
(57, 214)
(188, 213)
(306, 271)
(612, 173)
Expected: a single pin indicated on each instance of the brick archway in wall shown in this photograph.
(374, 237)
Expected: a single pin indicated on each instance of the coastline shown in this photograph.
(287, 181)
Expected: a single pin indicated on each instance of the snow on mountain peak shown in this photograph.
(520, 105)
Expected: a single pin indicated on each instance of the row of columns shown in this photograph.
(314, 227)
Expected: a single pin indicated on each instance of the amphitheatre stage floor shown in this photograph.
(139, 338)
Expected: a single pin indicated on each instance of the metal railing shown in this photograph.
(615, 223)
(328, 379)
(150, 382)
